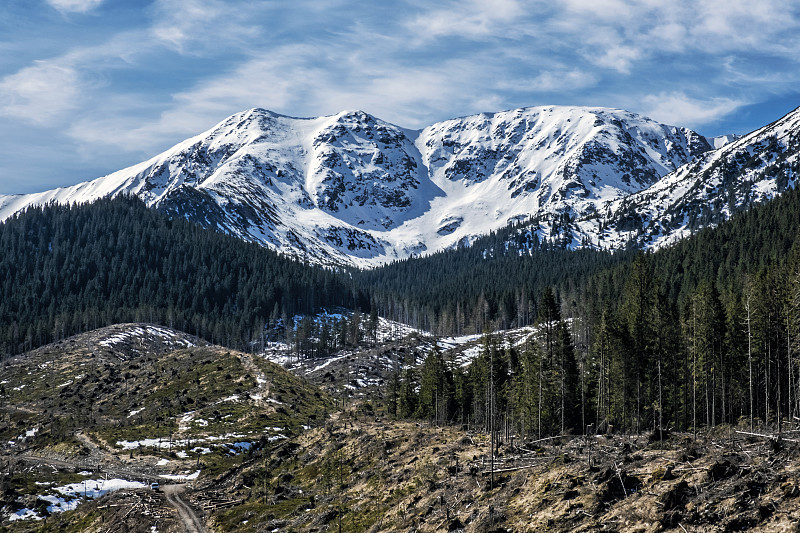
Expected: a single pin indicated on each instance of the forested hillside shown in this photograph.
(496, 283)
(493, 284)
(65, 270)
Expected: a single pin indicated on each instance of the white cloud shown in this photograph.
(40, 93)
(74, 6)
(473, 18)
(50, 90)
(549, 81)
(623, 35)
(193, 26)
(410, 96)
(619, 58)
(679, 109)
(601, 10)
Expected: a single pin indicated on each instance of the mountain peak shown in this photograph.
(355, 114)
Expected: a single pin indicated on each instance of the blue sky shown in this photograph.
(91, 86)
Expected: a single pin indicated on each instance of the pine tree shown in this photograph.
(393, 393)
(436, 388)
(407, 399)
(707, 341)
(638, 302)
(568, 373)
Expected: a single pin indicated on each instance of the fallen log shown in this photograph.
(503, 470)
(766, 436)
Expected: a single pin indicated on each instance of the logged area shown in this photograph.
(246, 446)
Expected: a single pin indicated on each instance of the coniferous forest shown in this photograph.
(698, 334)
(66, 270)
(703, 333)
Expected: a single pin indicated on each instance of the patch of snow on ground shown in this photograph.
(281, 358)
(525, 338)
(74, 493)
(25, 514)
(451, 342)
(469, 355)
(147, 443)
(165, 443)
(166, 335)
(181, 477)
(111, 341)
(326, 363)
(391, 330)
(135, 412)
(222, 437)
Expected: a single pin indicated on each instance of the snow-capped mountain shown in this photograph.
(550, 163)
(353, 189)
(749, 170)
(324, 188)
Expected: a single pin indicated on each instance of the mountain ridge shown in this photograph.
(352, 189)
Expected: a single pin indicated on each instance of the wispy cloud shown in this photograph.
(74, 6)
(553, 80)
(41, 93)
(677, 108)
(470, 19)
(202, 26)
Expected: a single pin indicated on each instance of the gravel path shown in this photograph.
(191, 521)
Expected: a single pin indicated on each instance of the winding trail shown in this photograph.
(191, 522)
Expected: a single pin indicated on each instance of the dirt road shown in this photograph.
(191, 521)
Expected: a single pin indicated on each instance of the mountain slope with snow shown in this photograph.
(352, 189)
(752, 169)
